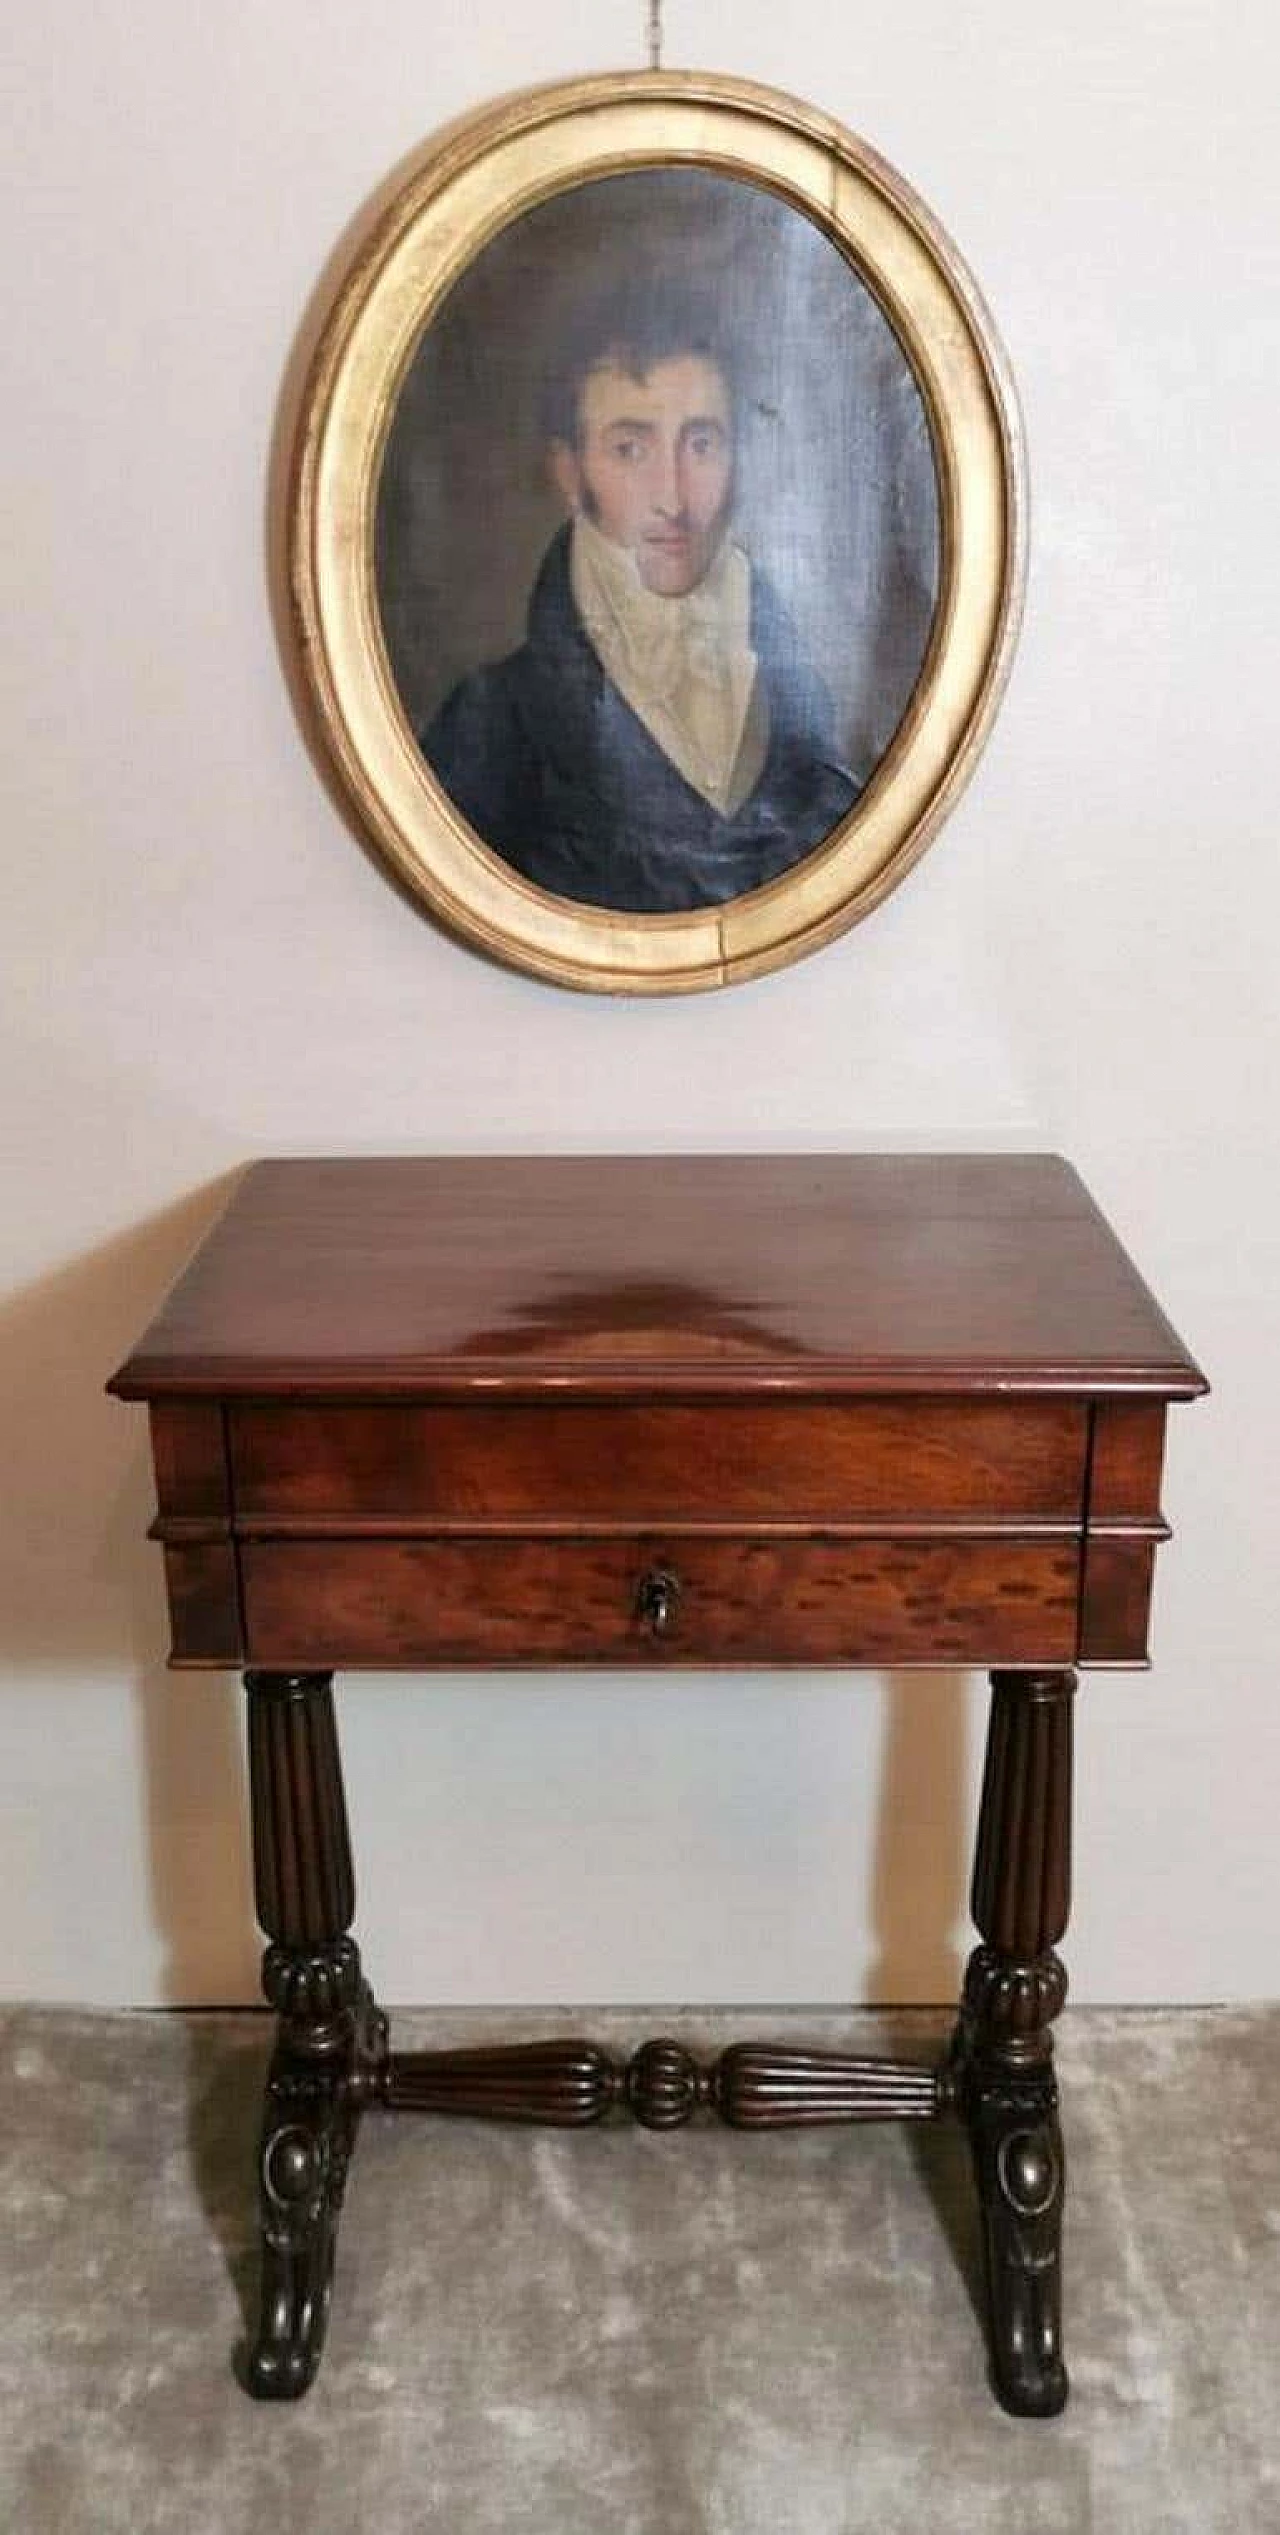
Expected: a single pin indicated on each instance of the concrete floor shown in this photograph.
(702, 2334)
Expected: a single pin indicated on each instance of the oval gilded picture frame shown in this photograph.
(470, 189)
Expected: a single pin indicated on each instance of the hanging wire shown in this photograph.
(654, 33)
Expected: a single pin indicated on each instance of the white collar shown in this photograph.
(685, 665)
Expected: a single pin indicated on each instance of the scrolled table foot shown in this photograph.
(306, 2143)
(1018, 2164)
(318, 2083)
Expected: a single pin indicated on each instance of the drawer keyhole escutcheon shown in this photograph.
(657, 1600)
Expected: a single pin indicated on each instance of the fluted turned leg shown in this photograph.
(1014, 1987)
(331, 2039)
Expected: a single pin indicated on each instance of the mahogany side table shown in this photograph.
(735, 1411)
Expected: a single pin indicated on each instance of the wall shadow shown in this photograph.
(920, 1885)
(81, 1587)
(226, 2064)
(920, 1871)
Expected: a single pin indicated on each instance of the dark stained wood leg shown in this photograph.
(1003, 2065)
(332, 2038)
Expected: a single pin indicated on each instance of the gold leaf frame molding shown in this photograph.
(481, 175)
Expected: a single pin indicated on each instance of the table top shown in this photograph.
(613, 1276)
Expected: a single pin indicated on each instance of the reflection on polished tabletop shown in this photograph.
(832, 1272)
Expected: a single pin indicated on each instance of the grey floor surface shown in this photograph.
(613, 2333)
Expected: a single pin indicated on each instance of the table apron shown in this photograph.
(813, 1461)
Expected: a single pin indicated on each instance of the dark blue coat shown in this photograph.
(551, 767)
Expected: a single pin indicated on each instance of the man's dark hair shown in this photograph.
(629, 327)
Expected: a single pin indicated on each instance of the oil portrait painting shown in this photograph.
(657, 530)
(657, 541)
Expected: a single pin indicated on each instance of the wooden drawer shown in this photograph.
(486, 1601)
(802, 1462)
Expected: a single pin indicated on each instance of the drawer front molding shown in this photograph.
(737, 1601)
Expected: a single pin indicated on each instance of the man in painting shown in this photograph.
(659, 742)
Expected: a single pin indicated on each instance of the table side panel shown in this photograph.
(1126, 1460)
(1115, 1601)
(189, 1453)
(1124, 1527)
(193, 1520)
(203, 1585)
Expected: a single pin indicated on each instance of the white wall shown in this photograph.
(200, 965)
